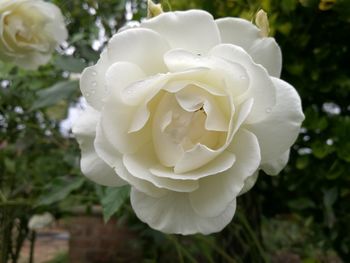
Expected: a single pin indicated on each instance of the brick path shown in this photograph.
(49, 243)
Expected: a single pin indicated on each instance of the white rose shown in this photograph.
(29, 32)
(39, 221)
(186, 109)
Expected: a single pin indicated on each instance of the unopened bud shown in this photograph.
(262, 23)
(153, 9)
(325, 5)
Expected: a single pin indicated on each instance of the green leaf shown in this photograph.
(113, 199)
(60, 189)
(301, 203)
(71, 64)
(54, 94)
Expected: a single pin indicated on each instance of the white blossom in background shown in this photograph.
(39, 221)
(30, 30)
(186, 109)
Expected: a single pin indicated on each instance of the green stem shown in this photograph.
(178, 250)
(2, 197)
(32, 245)
(253, 236)
(219, 250)
(181, 248)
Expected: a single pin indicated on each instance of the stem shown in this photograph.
(253, 236)
(32, 245)
(219, 250)
(178, 246)
(2, 197)
(178, 250)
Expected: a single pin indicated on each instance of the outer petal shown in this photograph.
(280, 129)
(237, 31)
(173, 213)
(141, 46)
(92, 82)
(260, 88)
(56, 29)
(117, 117)
(217, 191)
(264, 51)
(92, 165)
(249, 183)
(114, 159)
(192, 30)
(274, 167)
(32, 60)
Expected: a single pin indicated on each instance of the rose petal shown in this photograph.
(249, 183)
(220, 164)
(192, 98)
(93, 80)
(274, 167)
(139, 165)
(91, 164)
(167, 150)
(114, 159)
(265, 51)
(140, 46)
(176, 86)
(193, 30)
(193, 159)
(116, 123)
(280, 129)
(173, 213)
(237, 31)
(217, 191)
(261, 87)
(55, 27)
(223, 76)
(117, 118)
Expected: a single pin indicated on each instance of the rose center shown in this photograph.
(187, 128)
(181, 123)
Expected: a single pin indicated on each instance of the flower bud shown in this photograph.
(153, 9)
(262, 22)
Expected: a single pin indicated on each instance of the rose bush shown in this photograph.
(29, 32)
(186, 109)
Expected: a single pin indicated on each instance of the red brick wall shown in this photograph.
(92, 241)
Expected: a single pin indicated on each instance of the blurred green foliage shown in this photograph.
(304, 212)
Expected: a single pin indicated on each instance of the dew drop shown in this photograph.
(94, 83)
(94, 73)
(93, 91)
(268, 110)
(87, 94)
(129, 91)
(242, 77)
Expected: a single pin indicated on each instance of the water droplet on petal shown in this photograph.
(94, 83)
(94, 73)
(242, 77)
(268, 110)
(87, 94)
